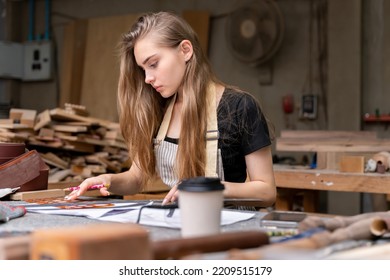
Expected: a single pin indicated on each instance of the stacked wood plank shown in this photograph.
(72, 143)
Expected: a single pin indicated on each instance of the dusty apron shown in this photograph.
(165, 152)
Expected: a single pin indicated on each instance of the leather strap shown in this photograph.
(20, 170)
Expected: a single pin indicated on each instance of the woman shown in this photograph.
(167, 97)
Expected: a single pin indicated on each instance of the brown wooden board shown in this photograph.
(114, 241)
(73, 52)
(61, 114)
(332, 145)
(321, 134)
(331, 180)
(42, 194)
(101, 65)
(200, 22)
(353, 164)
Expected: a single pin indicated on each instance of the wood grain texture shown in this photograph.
(332, 145)
(101, 65)
(200, 22)
(332, 180)
(72, 61)
(353, 164)
(93, 242)
(310, 134)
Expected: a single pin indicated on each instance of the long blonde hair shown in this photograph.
(141, 108)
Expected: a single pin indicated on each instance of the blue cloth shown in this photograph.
(8, 212)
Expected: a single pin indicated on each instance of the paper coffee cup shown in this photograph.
(200, 203)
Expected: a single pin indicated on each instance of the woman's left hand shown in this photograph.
(172, 196)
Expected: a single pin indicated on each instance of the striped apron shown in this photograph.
(165, 152)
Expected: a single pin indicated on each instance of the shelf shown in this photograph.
(374, 118)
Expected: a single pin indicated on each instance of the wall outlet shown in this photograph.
(38, 61)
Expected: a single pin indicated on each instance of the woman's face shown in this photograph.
(164, 67)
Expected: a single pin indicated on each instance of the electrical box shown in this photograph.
(309, 106)
(37, 61)
(11, 60)
(30, 61)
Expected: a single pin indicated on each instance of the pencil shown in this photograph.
(91, 188)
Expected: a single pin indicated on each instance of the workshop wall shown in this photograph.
(285, 74)
(335, 51)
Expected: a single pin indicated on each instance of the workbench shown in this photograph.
(314, 180)
(34, 221)
(329, 147)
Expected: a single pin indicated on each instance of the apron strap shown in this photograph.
(162, 132)
(212, 134)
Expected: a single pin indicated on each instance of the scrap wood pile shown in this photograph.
(72, 143)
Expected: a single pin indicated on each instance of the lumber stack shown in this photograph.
(74, 144)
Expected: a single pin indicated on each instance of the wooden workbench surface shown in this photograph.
(331, 180)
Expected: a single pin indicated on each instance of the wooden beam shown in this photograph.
(38, 194)
(332, 180)
(328, 134)
(332, 145)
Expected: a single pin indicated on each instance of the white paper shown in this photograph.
(7, 191)
(130, 214)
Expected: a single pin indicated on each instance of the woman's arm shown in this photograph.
(261, 182)
(125, 183)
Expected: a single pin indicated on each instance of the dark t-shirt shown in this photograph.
(242, 130)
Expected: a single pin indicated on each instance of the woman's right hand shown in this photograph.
(171, 196)
(104, 179)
